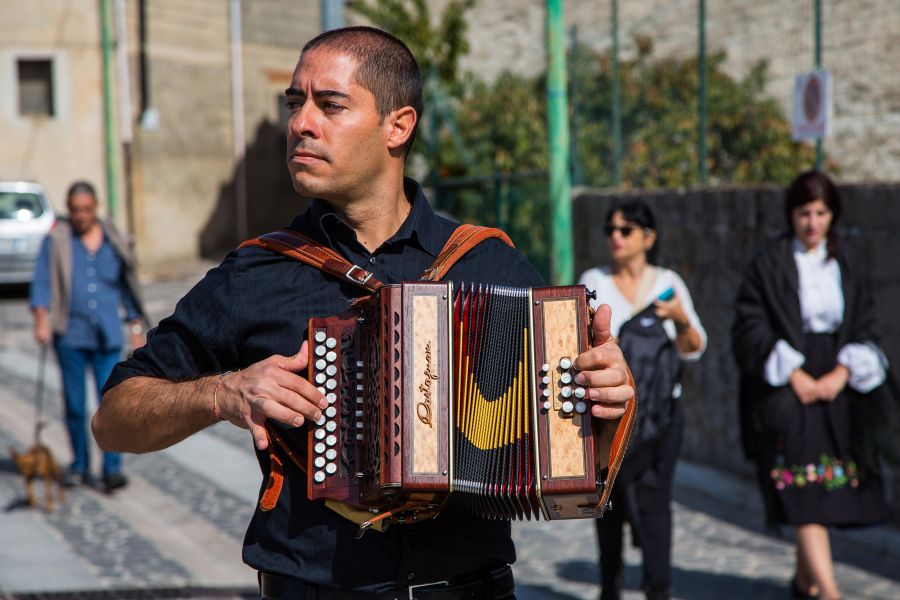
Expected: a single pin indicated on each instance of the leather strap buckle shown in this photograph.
(412, 589)
(362, 279)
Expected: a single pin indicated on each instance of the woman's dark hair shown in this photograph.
(81, 187)
(637, 211)
(808, 187)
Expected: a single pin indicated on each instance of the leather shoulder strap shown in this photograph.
(305, 249)
(461, 241)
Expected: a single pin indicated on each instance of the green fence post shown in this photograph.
(616, 98)
(817, 33)
(562, 267)
(701, 65)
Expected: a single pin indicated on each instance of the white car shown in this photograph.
(25, 218)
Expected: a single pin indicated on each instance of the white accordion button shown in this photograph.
(565, 378)
(321, 421)
(545, 380)
(320, 336)
(321, 389)
(331, 440)
(330, 412)
(566, 392)
(331, 370)
(320, 350)
(319, 462)
(546, 393)
(331, 468)
(319, 476)
(330, 343)
(319, 448)
(547, 405)
(320, 378)
(565, 363)
(320, 434)
(321, 364)
(331, 397)
(331, 356)
(331, 454)
(567, 406)
(331, 426)
(545, 368)
(330, 384)
(580, 392)
(580, 407)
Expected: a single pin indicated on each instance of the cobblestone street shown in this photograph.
(176, 530)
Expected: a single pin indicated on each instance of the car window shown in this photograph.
(20, 206)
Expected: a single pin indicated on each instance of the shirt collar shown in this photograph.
(817, 253)
(421, 224)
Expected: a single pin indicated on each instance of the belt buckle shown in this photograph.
(363, 280)
(412, 588)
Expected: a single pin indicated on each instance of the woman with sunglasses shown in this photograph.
(654, 318)
(812, 397)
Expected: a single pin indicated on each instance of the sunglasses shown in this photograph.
(625, 230)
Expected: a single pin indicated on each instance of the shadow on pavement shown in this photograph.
(534, 592)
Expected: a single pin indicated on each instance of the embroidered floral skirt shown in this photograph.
(812, 473)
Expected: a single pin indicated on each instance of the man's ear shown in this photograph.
(399, 125)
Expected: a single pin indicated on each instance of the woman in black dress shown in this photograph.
(805, 341)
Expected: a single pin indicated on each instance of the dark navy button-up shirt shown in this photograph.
(256, 304)
(98, 289)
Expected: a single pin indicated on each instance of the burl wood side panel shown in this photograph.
(561, 340)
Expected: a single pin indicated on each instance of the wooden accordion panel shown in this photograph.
(459, 399)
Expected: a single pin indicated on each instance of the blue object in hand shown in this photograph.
(666, 295)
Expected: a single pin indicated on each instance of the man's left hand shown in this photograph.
(603, 370)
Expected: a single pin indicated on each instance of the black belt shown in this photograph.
(495, 584)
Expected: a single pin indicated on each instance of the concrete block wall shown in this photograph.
(709, 236)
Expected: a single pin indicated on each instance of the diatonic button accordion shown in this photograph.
(445, 397)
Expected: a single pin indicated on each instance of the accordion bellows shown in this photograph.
(461, 399)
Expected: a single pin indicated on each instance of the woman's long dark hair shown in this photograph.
(637, 211)
(808, 187)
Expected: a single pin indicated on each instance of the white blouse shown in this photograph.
(822, 311)
(657, 280)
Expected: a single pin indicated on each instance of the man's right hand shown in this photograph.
(270, 389)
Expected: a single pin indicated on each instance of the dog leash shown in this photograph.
(39, 395)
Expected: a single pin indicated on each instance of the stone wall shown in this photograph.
(859, 38)
(709, 236)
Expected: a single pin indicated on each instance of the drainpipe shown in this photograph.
(237, 113)
(109, 125)
(123, 78)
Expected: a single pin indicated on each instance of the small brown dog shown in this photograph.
(38, 462)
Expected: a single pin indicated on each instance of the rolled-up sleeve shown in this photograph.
(867, 365)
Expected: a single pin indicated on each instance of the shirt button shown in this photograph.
(92, 287)
(92, 304)
(91, 272)
(372, 260)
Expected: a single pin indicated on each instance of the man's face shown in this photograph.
(82, 212)
(336, 141)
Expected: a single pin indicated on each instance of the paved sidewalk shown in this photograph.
(176, 530)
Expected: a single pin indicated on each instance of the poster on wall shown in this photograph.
(812, 105)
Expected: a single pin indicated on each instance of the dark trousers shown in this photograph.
(73, 364)
(642, 496)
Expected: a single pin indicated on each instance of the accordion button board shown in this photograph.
(458, 398)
